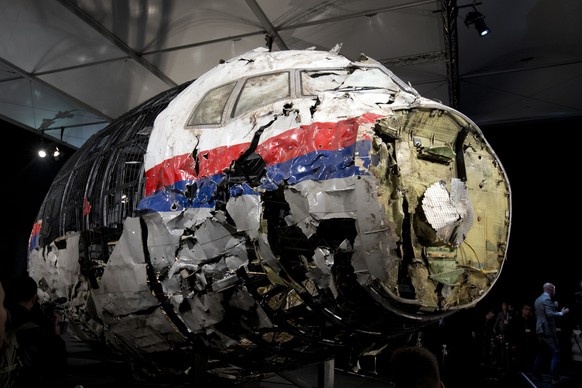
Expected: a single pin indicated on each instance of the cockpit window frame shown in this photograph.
(209, 95)
(302, 72)
(256, 106)
(294, 90)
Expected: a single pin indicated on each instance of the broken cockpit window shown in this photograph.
(262, 90)
(210, 109)
(316, 81)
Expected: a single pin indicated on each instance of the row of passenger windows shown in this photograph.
(261, 90)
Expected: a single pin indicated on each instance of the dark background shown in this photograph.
(27, 180)
(541, 159)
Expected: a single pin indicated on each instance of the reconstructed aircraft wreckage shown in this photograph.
(283, 209)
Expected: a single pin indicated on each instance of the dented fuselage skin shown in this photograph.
(296, 205)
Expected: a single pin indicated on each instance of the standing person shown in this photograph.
(42, 350)
(3, 318)
(523, 338)
(502, 329)
(546, 313)
(414, 367)
(485, 336)
(503, 321)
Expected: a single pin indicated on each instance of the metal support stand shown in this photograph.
(326, 374)
(492, 359)
(507, 351)
(444, 364)
(200, 366)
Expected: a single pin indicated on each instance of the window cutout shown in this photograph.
(366, 78)
(262, 90)
(314, 82)
(211, 107)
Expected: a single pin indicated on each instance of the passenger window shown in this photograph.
(211, 107)
(261, 90)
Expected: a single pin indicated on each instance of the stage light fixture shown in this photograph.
(50, 149)
(477, 19)
(42, 150)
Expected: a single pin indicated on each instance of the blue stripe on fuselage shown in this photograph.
(319, 165)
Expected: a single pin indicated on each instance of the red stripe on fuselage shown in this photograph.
(309, 138)
(319, 136)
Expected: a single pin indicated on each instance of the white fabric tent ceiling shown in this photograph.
(69, 67)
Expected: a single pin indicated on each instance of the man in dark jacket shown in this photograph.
(546, 313)
(42, 349)
(3, 318)
(523, 338)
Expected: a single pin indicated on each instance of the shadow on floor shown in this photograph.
(94, 368)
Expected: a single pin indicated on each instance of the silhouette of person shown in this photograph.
(43, 351)
(523, 338)
(485, 336)
(3, 318)
(503, 320)
(414, 367)
(546, 314)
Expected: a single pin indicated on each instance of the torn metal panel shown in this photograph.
(202, 312)
(375, 242)
(245, 210)
(160, 240)
(449, 213)
(124, 301)
(320, 272)
(151, 333)
(58, 268)
(310, 201)
(295, 206)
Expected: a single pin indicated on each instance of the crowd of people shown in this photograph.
(496, 341)
(532, 339)
(483, 347)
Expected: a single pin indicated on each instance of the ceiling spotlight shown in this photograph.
(42, 149)
(57, 153)
(478, 20)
